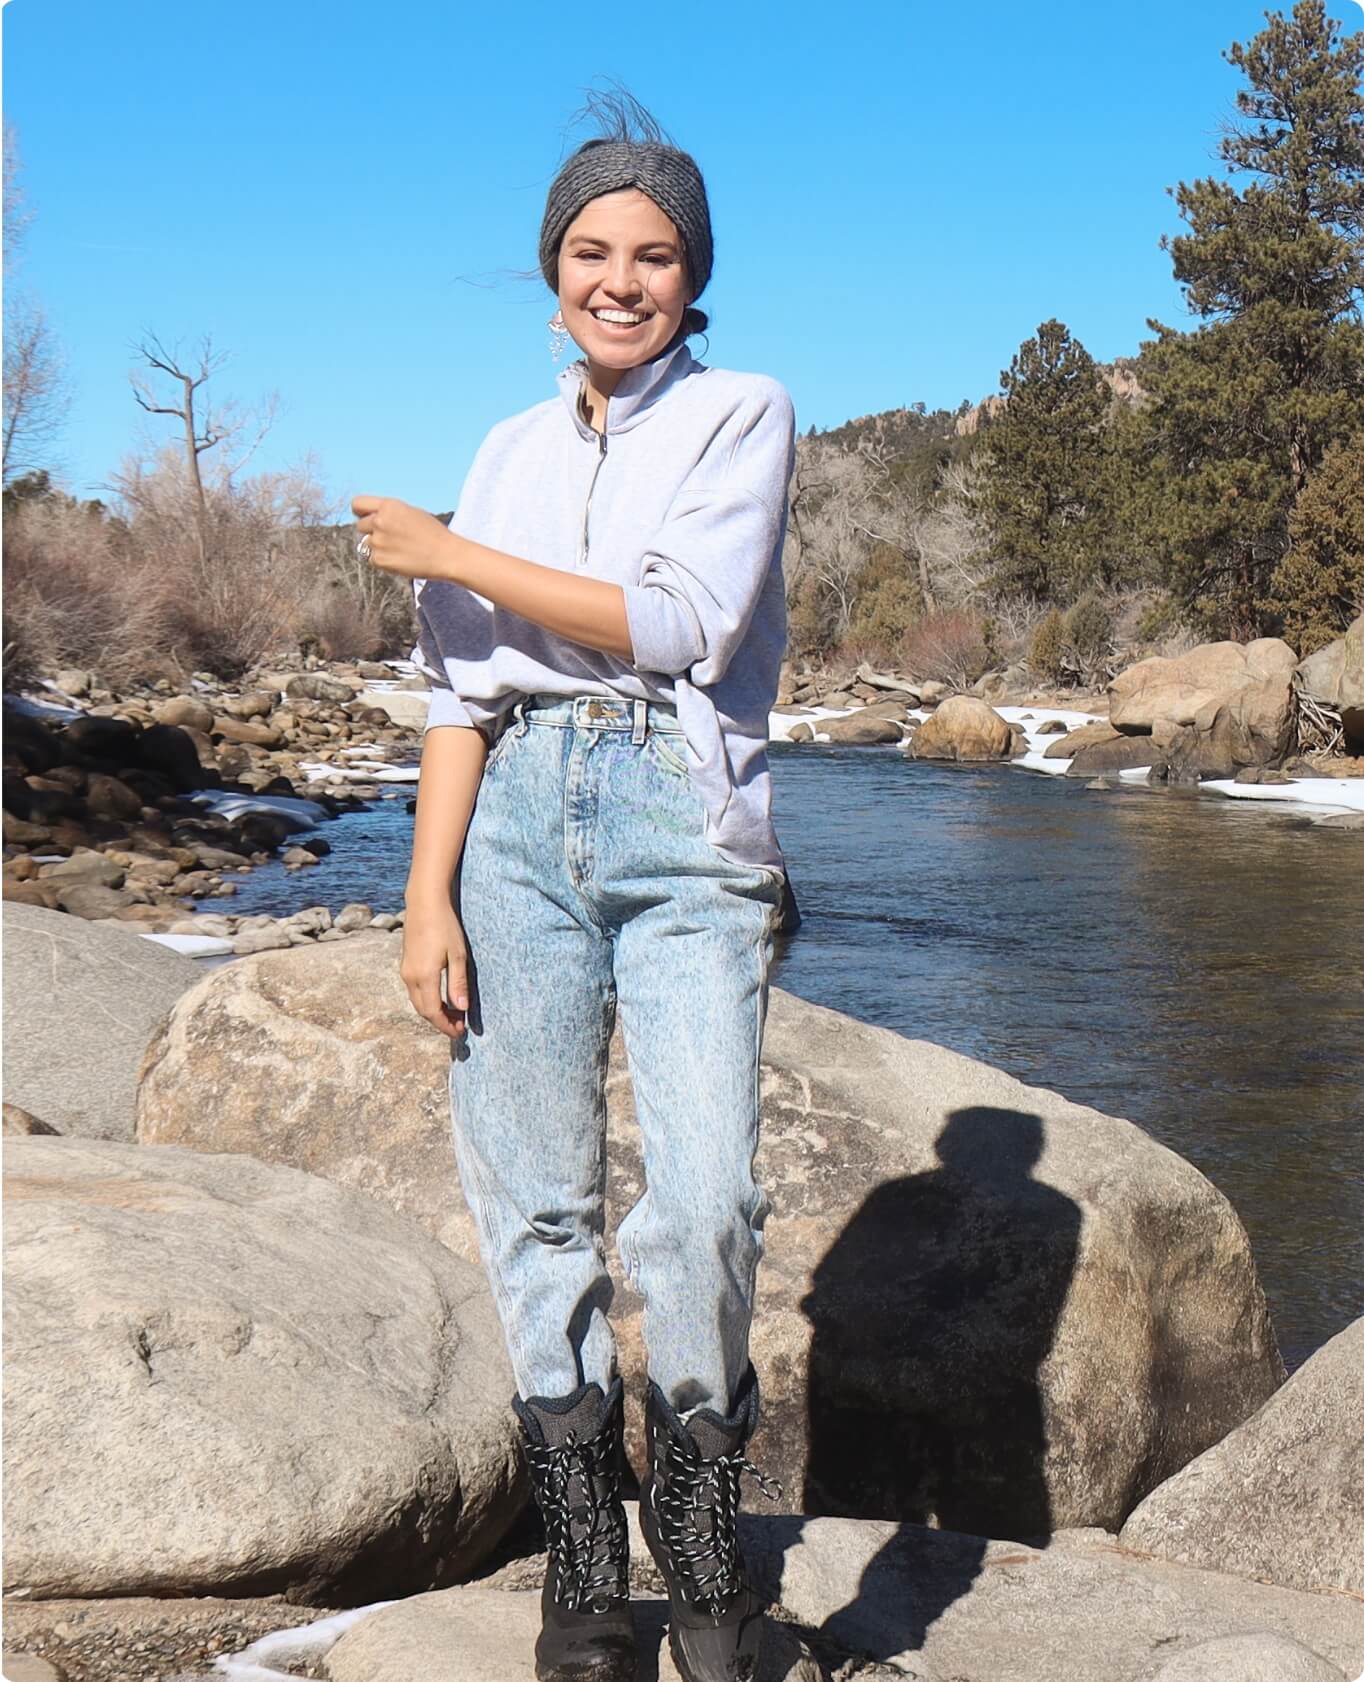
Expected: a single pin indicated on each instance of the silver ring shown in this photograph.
(362, 547)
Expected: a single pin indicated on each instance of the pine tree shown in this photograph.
(1319, 587)
(1247, 405)
(1039, 493)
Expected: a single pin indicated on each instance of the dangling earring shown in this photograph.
(558, 334)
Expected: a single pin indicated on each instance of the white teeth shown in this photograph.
(623, 316)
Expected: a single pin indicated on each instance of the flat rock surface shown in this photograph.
(488, 1635)
(1246, 1658)
(962, 1609)
(81, 1002)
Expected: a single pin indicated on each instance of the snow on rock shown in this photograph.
(306, 813)
(192, 945)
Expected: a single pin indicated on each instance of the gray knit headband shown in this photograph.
(669, 177)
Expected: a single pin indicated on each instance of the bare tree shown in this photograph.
(37, 391)
(948, 541)
(203, 431)
(829, 514)
(891, 517)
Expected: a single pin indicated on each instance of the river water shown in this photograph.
(1193, 963)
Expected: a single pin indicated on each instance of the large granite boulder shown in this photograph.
(1097, 733)
(981, 1304)
(82, 1000)
(867, 726)
(1255, 725)
(1174, 691)
(1282, 1497)
(963, 728)
(344, 1079)
(227, 1377)
(1334, 675)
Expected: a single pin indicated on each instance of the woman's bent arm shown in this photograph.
(433, 939)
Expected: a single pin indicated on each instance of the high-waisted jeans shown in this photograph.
(586, 880)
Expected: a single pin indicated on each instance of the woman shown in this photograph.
(607, 611)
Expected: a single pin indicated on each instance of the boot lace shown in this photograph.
(588, 1542)
(705, 1555)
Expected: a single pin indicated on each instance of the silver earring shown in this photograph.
(558, 335)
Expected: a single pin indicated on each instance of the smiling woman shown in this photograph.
(607, 607)
(622, 287)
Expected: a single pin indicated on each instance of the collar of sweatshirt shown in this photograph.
(637, 392)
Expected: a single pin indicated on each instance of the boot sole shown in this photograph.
(615, 1667)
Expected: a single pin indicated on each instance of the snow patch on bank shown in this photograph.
(1342, 794)
(299, 1644)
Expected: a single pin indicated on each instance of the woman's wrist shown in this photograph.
(445, 562)
(419, 894)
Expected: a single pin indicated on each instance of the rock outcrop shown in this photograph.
(1282, 1497)
(1175, 691)
(227, 1377)
(980, 1304)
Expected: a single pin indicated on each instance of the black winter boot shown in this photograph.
(573, 1448)
(688, 1507)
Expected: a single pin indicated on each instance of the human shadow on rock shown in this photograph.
(932, 1314)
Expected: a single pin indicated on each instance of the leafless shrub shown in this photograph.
(948, 540)
(948, 647)
(76, 596)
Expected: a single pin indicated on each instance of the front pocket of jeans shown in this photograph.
(499, 747)
(668, 755)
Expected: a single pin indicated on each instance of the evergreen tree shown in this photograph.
(1040, 491)
(1319, 587)
(1246, 406)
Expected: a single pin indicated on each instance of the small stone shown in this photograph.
(260, 940)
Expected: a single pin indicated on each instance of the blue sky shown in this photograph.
(341, 194)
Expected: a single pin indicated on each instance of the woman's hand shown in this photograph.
(434, 943)
(402, 539)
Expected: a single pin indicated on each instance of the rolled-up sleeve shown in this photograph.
(446, 707)
(703, 572)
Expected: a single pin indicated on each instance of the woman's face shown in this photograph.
(621, 255)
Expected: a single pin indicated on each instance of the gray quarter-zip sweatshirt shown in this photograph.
(682, 501)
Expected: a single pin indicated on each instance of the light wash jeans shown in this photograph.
(586, 879)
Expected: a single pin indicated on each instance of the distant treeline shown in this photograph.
(1210, 485)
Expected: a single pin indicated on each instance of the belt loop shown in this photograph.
(641, 719)
(519, 714)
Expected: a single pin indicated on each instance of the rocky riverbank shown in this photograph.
(139, 807)
(234, 1232)
(1248, 720)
